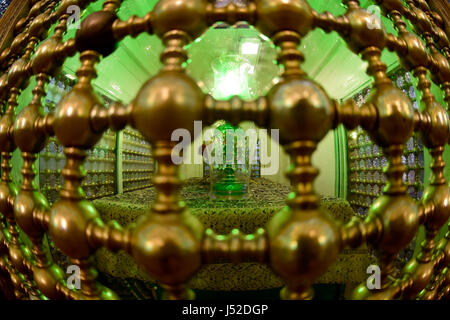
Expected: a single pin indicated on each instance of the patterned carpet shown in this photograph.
(265, 199)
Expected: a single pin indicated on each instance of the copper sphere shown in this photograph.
(4, 56)
(441, 38)
(420, 273)
(72, 124)
(186, 15)
(437, 19)
(20, 25)
(24, 205)
(445, 293)
(46, 280)
(168, 101)
(440, 68)
(395, 116)
(3, 247)
(421, 21)
(67, 227)
(447, 253)
(439, 197)
(18, 43)
(437, 133)
(18, 74)
(6, 140)
(303, 244)
(96, 33)
(6, 193)
(3, 85)
(17, 258)
(167, 246)
(365, 31)
(391, 5)
(301, 110)
(17, 282)
(422, 4)
(36, 8)
(416, 54)
(280, 15)
(26, 136)
(43, 60)
(38, 28)
(399, 216)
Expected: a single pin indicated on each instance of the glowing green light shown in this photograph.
(227, 84)
(249, 47)
(226, 184)
(231, 74)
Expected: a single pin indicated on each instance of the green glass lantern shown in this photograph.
(232, 77)
(230, 172)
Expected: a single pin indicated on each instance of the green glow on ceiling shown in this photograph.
(250, 47)
(231, 77)
(227, 84)
(327, 58)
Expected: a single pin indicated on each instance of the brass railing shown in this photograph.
(301, 241)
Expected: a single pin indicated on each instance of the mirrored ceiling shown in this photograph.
(230, 60)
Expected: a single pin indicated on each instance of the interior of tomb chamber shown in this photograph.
(231, 61)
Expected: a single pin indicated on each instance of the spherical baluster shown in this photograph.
(297, 105)
(17, 79)
(168, 101)
(394, 212)
(73, 215)
(31, 123)
(304, 114)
